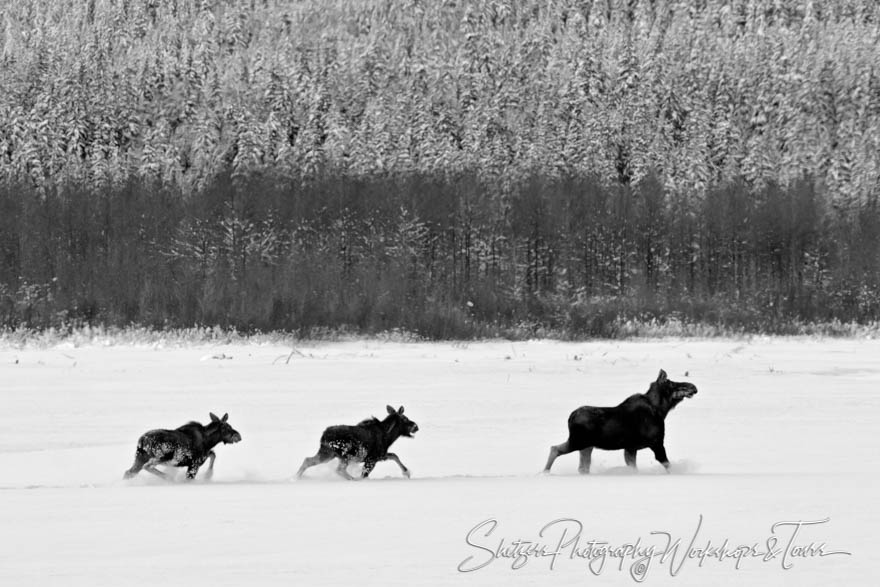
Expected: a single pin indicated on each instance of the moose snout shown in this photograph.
(415, 428)
(235, 438)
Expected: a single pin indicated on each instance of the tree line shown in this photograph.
(455, 169)
(435, 256)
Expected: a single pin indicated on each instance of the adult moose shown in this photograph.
(188, 446)
(367, 443)
(637, 423)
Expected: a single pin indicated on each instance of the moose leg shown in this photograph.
(393, 457)
(324, 455)
(660, 455)
(368, 468)
(151, 468)
(555, 451)
(629, 455)
(140, 459)
(586, 456)
(192, 471)
(210, 472)
(342, 469)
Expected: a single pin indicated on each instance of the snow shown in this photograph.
(782, 429)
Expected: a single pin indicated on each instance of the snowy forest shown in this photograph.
(452, 168)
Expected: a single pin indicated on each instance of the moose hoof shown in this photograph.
(407, 474)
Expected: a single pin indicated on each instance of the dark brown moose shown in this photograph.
(367, 442)
(637, 423)
(188, 446)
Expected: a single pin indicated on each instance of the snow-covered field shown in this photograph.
(781, 430)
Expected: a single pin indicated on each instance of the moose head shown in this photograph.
(407, 426)
(667, 393)
(228, 434)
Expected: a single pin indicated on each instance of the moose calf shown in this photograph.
(188, 446)
(366, 443)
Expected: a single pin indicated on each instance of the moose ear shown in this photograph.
(214, 417)
(400, 411)
(662, 377)
(390, 409)
(225, 417)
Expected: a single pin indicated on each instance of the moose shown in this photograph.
(188, 446)
(637, 423)
(367, 442)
